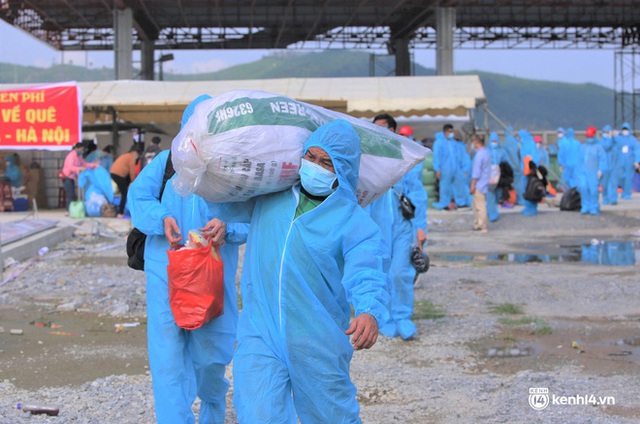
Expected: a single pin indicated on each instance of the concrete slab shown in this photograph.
(27, 247)
(22, 234)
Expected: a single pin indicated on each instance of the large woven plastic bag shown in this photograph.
(245, 143)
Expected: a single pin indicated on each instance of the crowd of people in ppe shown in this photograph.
(97, 172)
(322, 277)
(599, 169)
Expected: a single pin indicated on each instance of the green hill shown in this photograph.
(523, 103)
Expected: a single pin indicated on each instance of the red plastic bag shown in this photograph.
(196, 285)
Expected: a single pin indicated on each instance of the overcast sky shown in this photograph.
(574, 66)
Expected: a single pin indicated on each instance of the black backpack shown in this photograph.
(536, 184)
(506, 175)
(136, 238)
(571, 200)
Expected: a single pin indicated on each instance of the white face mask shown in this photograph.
(316, 179)
(606, 135)
(625, 132)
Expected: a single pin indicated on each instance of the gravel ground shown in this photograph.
(489, 330)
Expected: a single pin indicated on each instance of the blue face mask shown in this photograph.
(317, 180)
(494, 145)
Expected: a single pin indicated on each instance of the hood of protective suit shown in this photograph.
(523, 134)
(188, 111)
(560, 129)
(626, 125)
(10, 159)
(570, 132)
(606, 128)
(493, 136)
(342, 144)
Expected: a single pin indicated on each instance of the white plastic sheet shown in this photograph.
(245, 143)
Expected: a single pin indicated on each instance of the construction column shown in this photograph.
(123, 25)
(146, 60)
(445, 27)
(403, 59)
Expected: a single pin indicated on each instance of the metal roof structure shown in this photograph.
(259, 24)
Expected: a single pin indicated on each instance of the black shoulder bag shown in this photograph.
(407, 207)
(136, 238)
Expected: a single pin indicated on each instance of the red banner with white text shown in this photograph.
(47, 117)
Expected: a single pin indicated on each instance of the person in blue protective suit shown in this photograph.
(563, 148)
(413, 188)
(312, 254)
(103, 157)
(184, 363)
(462, 177)
(609, 184)
(542, 151)
(107, 157)
(445, 164)
(511, 148)
(627, 158)
(497, 155)
(568, 152)
(13, 173)
(592, 163)
(529, 150)
(98, 189)
(398, 235)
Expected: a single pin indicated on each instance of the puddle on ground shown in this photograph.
(622, 347)
(595, 252)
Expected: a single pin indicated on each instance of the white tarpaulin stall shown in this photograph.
(162, 102)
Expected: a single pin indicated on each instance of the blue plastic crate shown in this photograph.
(20, 204)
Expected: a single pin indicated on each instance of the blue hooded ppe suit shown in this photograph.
(627, 153)
(446, 162)
(13, 172)
(300, 276)
(95, 181)
(184, 363)
(398, 235)
(498, 155)
(528, 149)
(512, 153)
(105, 160)
(462, 178)
(609, 184)
(543, 154)
(568, 152)
(591, 160)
